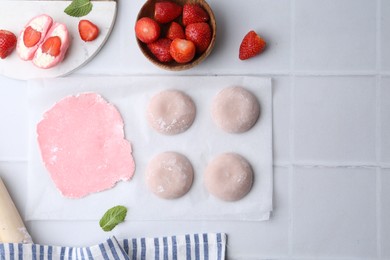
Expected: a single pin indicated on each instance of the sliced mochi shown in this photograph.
(53, 48)
(82, 144)
(32, 36)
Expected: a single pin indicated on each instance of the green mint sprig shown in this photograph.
(113, 217)
(79, 8)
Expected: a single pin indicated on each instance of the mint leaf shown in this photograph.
(113, 217)
(79, 8)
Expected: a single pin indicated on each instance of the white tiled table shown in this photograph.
(330, 64)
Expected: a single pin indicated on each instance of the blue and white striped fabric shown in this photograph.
(110, 249)
(189, 247)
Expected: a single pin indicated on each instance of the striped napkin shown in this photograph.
(195, 246)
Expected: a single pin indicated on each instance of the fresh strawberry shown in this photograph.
(88, 31)
(31, 37)
(193, 13)
(175, 31)
(7, 43)
(182, 50)
(147, 30)
(200, 35)
(167, 11)
(251, 45)
(160, 49)
(52, 46)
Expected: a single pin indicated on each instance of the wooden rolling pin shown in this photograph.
(12, 229)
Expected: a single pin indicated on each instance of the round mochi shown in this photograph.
(171, 112)
(229, 177)
(235, 110)
(169, 175)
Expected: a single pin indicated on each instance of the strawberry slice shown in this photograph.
(147, 30)
(251, 45)
(182, 50)
(52, 46)
(160, 49)
(200, 35)
(194, 13)
(7, 43)
(31, 37)
(175, 31)
(166, 11)
(88, 31)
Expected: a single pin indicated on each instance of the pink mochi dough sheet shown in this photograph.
(83, 147)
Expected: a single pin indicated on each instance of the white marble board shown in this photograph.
(14, 15)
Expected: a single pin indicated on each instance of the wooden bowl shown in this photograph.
(147, 10)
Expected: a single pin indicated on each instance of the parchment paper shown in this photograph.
(200, 143)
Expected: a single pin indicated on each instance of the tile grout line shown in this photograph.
(379, 212)
(378, 37)
(340, 73)
(13, 160)
(301, 164)
(290, 209)
(379, 166)
(320, 164)
(378, 131)
(291, 130)
(287, 72)
(292, 37)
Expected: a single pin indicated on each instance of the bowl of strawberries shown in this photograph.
(176, 34)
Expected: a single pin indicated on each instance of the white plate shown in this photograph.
(14, 15)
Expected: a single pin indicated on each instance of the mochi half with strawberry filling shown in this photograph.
(82, 144)
(53, 49)
(32, 36)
